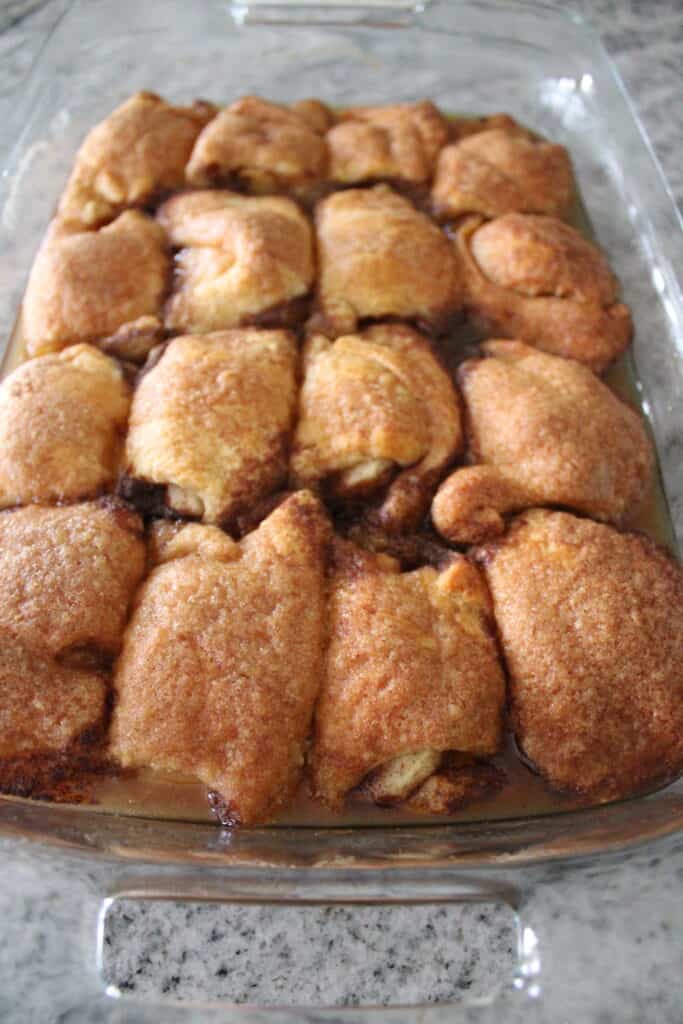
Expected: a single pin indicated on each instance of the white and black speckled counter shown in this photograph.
(613, 932)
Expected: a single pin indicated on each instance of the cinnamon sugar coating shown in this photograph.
(537, 279)
(239, 257)
(379, 257)
(86, 285)
(62, 421)
(541, 431)
(211, 421)
(135, 154)
(591, 625)
(411, 666)
(222, 660)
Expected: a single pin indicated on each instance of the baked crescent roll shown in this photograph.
(591, 626)
(537, 279)
(372, 404)
(87, 285)
(541, 431)
(262, 147)
(222, 659)
(210, 424)
(241, 260)
(379, 257)
(130, 158)
(411, 672)
(62, 422)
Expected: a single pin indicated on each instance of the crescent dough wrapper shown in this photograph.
(394, 143)
(67, 575)
(542, 430)
(370, 404)
(210, 422)
(140, 150)
(262, 147)
(62, 421)
(411, 668)
(89, 285)
(591, 625)
(379, 257)
(537, 279)
(498, 171)
(241, 260)
(223, 656)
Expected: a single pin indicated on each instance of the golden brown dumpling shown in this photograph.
(395, 143)
(86, 285)
(242, 260)
(542, 431)
(591, 625)
(62, 421)
(222, 659)
(379, 257)
(372, 404)
(67, 576)
(210, 423)
(135, 154)
(411, 669)
(537, 279)
(495, 172)
(262, 147)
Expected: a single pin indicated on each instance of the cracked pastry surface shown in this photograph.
(591, 625)
(541, 430)
(535, 278)
(222, 659)
(391, 143)
(372, 404)
(86, 285)
(67, 575)
(135, 154)
(62, 421)
(411, 667)
(501, 171)
(241, 260)
(210, 422)
(262, 147)
(379, 257)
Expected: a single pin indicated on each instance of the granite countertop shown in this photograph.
(613, 932)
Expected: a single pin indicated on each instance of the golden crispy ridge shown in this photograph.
(411, 665)
(140, 150)
(222, 661)
(541, 430)
(536, 279)
(591, 626)
(62, 420)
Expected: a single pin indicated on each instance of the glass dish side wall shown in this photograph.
(536, 63)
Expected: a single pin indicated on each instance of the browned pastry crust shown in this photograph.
(85, 285)
(223, 656)
(135, 154)
(395, 143)
(262, 147)
(240, 257)
(62, 420)
(411, 666)
(371, 404)
(379, 257)
(591, 625)
(67, 576)
(544, 431)
(463, 127)
(495, 172)
(532, 277)
(211, 421)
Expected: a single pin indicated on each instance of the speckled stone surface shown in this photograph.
(610, 935)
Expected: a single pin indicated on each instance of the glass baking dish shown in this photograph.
(546, 68)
